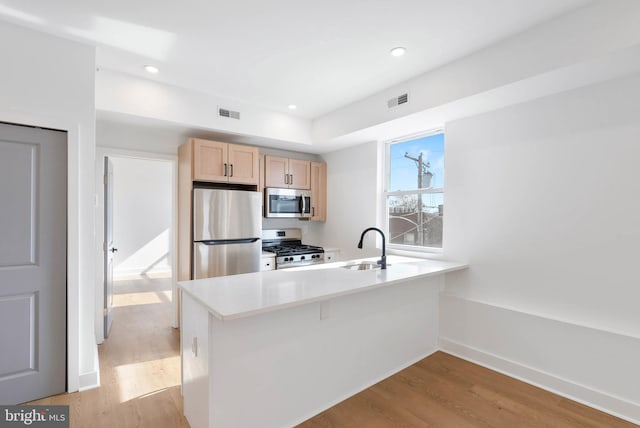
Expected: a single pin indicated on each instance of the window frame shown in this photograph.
(404, 249)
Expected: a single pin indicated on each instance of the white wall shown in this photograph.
(352, 200)
(49, 82)
(154, 137)
(542, 202)
(142, 215)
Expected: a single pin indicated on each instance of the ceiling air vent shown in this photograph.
(396, 101)
(228, 113)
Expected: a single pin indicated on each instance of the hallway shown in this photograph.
(139, 363)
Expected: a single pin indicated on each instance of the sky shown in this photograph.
(404, 172)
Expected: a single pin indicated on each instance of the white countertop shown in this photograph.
(239, 296)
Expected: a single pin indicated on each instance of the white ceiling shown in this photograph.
(319, 55)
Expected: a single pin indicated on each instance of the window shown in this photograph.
(415, 191)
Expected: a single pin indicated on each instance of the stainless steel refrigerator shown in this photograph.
(226, 232)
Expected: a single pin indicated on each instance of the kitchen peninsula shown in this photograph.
(273, 348)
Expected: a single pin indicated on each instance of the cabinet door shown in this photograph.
(318, 191)
(261, 172)
(243, 164)
(209, 161)
(276, 170)
(300, 174)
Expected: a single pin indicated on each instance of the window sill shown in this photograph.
(422, 253)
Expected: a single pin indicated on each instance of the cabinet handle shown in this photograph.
(313, 211)
(231, 174)
(291, 180)
(225, 169)
(286, 179)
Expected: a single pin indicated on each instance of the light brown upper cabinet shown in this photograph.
(243, 164)
(318, 191)
(285, 172)
(224, 162)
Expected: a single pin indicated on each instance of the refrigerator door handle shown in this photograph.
(227, 241)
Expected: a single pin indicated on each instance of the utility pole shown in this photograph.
(422, 168)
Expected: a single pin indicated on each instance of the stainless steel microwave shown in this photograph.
(287, 203)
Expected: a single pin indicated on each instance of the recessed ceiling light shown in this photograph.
(292, 106)
(399, 51)
(151, 69)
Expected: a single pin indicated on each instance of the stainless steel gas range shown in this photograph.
(288, 248)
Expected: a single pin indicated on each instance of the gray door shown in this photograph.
(108, 247)
(33, 259)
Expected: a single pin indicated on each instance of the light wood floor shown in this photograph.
(140, 374)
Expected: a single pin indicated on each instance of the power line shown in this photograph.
(423, 168)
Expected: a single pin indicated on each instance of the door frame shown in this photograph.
(107, 232)
(74, 238)
(111, 152)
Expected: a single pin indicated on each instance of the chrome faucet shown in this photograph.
(383, 261)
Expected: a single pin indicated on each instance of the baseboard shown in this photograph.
(120, 273)
(89, 380)
(512, 343)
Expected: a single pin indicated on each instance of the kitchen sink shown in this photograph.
(362, 266)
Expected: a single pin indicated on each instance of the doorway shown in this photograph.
(142, 223)
(33, 262)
